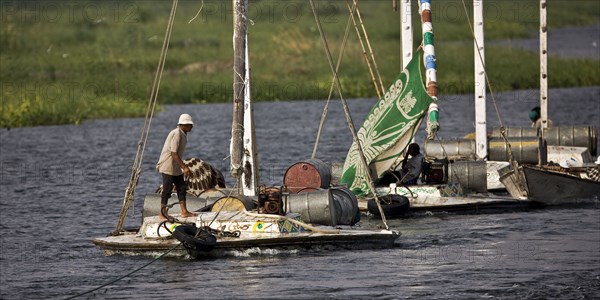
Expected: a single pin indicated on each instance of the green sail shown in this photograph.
(388, 129)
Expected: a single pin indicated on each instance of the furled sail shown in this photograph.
(389, 128)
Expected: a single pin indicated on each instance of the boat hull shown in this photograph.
(449, 198)
(350, 239)
(244, 232)
(554, 188)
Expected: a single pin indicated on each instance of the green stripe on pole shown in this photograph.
(433, 116)
(428, 37)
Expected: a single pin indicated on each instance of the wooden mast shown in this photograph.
(239, 71)
(430, 67)
(543, 67)
(250, 159)
(480, 84)
(407, 32)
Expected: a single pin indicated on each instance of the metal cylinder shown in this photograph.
(471, 174)
(233, 203)
(314, 207)
(346, 205)
(517, 132)
(307, 175)
(573, 136)
(453, 149)
(524, 149)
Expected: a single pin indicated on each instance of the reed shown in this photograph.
(64, 62)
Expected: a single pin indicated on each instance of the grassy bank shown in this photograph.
(67, 61)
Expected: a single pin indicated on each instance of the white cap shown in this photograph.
(185, 119)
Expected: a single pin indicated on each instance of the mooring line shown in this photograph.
(124, 276)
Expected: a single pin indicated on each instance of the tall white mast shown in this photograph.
(407, 32)
(251, 177)
(543, 66)
(480, 85)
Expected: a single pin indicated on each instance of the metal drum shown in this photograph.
(453, 149)
(346, 205)
(524, 149)
(575, 136)
(517, 132)
(471, 174)
(314, 207)
(233, 203)
(307, 175)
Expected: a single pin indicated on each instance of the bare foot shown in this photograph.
(188, 214)
(160, 216)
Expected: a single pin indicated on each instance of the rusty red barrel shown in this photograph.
(307, 175)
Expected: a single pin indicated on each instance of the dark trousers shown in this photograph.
(168, 181)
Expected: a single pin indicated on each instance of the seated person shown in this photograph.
(409, 171)
(411, 167)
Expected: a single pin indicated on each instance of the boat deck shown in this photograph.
(341, 237)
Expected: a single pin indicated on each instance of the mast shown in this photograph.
(430, 67)
(480, 85)
(239, 74)
(543, 67)
(251, 177)
(407, 34)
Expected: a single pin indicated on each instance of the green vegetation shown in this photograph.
(64, 61)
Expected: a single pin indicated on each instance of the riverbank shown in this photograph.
(74, 66)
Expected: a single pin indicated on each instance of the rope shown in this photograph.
(197, 14)
(326, 108)
(126, 275)
(362, 45)
(307, 226)
(137, 164)
(370, 49)
(347, 112)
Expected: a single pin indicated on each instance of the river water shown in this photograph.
(62, 186)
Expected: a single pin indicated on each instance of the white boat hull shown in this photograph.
(258, 235)
(448, 197)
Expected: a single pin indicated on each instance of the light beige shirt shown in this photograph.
(175, 142)
(538, 123)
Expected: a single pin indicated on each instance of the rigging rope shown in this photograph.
(351, 9)
(347, 112)
(126, 275)
(137, 164)
(326, 108)
(369, 46)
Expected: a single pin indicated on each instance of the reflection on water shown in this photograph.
(63, 185)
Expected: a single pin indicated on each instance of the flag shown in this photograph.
(388, 129)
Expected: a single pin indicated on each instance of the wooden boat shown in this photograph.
(220, 232)
(245, 233)
(545, 182)
(463, 183)
(554, 186)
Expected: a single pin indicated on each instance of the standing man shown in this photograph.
(171, 165)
